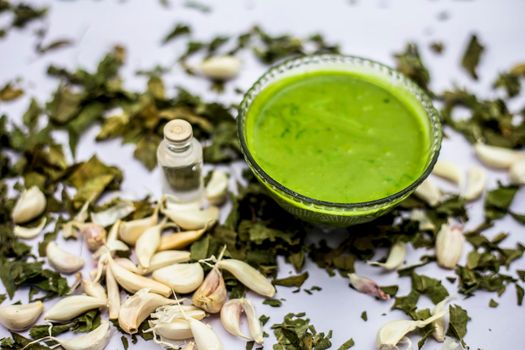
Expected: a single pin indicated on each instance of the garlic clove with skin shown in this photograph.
(94, 235)
(30, 204)
(231, 318)
(20, 317)
(367, 286)
(212, 293)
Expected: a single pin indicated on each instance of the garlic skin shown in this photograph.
(396, 256)
(180, 240)
(20, 317)
(217, 188)
(497, 157)
(212, 293)
(429, 192)
(63, 261)
(517, 172)
(367, 286)
(138, 307)
(182, 278)
(70, 307)
(204, 336)
(221, 67)
(248, 276)
(448, 171)
(97, 339)
(94, 289)
(230, 319)
(449, 245)
(30, 204)
(94, 234)
(193, 219)
(476, 179)
(29, 232)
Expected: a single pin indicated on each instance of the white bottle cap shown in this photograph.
(178, 130)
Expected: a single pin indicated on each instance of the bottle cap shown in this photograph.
(178, 130)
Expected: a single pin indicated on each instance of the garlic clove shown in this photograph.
(138, 307)
(133, 282)
(182, 278)
(169, 312)
(69, 229)
(448, 171)
(248, 276)
(441, 324)
(180, 240)
(94, 289)
(97, 339)
(254, 324)
(395, 257)
(449, 245)
(30, 204)
(429, 192)
(475, 185)
(29, 232)
(112, 214)
(217, 187)
(94, 234)
(178, 329)
(130, 231)
(63, 261)
(231, 318)
(367, 286)
(212, 294)
(148, 243)
(166, 258)
(204, 336)
(70, 307)
(517, 172)
(113, 298)
(497, 157)
(20, 317)
(221, 67)
(193, 219)
(424, 221)
(128, 265)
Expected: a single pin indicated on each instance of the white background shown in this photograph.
(373, 29)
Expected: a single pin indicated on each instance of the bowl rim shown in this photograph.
(409, 85)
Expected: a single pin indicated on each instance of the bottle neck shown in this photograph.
(178, 147)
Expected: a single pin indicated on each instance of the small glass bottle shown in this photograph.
(180, 156)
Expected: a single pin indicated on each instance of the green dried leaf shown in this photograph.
(458, 322)
(146, 151)
(178, 30)
(347, 344)
(472, 56)
(409, 63)
(292, 281)
(498, 201)
(9, 92)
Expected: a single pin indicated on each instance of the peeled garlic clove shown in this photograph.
(449, 245)
(194, 219)
(113, 294)
(130, 231)
(180, 240)
(420, 216)
(367, 286)
(448, 171)
(221, 67)
(138, 307)
(132, 282)
(231, 318)
(182, 278)
(497, 157)
(178, 329)
(217, 187)
(212, 294)
(112, 214)
(97, 339)
(248, 276)
(113, 232)
(62, 260)
(148, 243)
(128, 265)
(94, 289)
(254, 324)
(166, 258)
(395, 257)
(441, 324)
(204, 336)
(29, 205)
(29, 232)
(517, 172)
(70, 307)
(20, 317)
(391, 333)
(94, 234)
(429, 192)
(476, 179)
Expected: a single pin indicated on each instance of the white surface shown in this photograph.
(372, 29)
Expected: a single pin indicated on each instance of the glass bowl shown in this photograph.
(328, 213)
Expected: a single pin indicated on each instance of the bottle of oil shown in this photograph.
(180, 156)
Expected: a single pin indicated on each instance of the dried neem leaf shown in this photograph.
(511, 81)
(10, 92)
(347, 344)
(458, 320)
(81, 324)
(409, 62)
(17, 342)
(472, 56)
(296, 333)
(292, 281)
(53, 45)
(437, 47)
(146, 150)
(179, 29)
(498, 201)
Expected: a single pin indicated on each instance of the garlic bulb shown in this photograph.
(29, 205)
